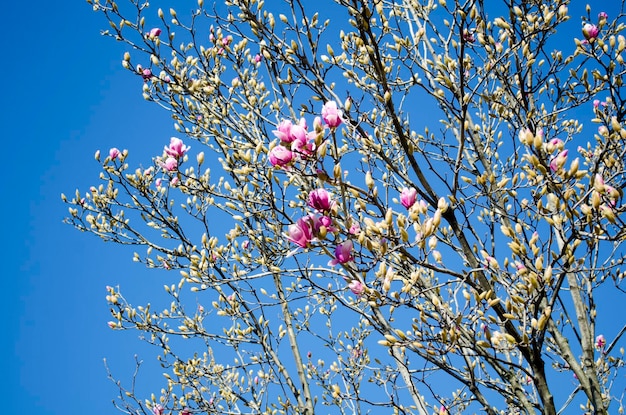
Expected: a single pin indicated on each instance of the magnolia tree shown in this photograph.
(374, 206)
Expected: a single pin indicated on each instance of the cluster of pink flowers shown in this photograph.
(309, 228)
(173, 153)
(220, 42)
(297, 141)
(317, 225)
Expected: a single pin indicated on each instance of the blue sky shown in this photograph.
(65, 95)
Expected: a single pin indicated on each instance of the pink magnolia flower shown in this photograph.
(320, 200)
(343, 253)
(408, 196)
(596, 103)
(176, 148)
(155, 32)
(355, 228)
(257, 58)
(318, 221)
(331, 114)
(468, 36)
(357, 287)
(603, 16)
(165, 77)
(146, 74)
(600, 342)
(300, 233)
(170, 164)
(114, 153)
(590, 31)
(298, 131)
(557, 162)
(158, 409)
(303, 146)
(280, 156)
(283, 131)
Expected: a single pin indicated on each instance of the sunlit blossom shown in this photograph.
(146, 74)
(355, 228)
(114, 153)
(408, 196)
(280, 156)
(600, 342)
(590, 31)
(176, 148)
(170, 164)
(356, 287)
(300, 233)
(557, 162)
(331, 114)
(320, 200)
(343, 253)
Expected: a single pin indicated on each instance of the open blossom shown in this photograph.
(331, 114)
(170, 164)
(303, 146)
(176, 148)
(590, 31)
(603, 16)
(357, 287)
(343, 253)
(280, 156)
(408, 196)
(319, 221)
(158, 409)
(283, 131)
(300, 233)
(320, 200)
(298, 132)
(600, 342)
(287, 132)
(114, 153)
